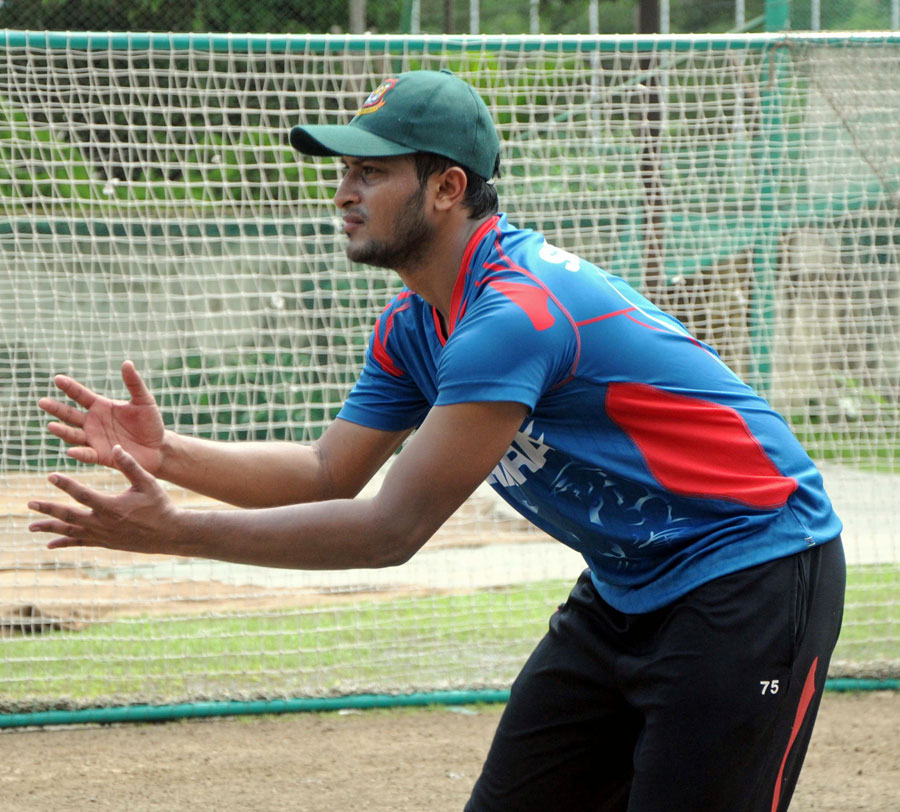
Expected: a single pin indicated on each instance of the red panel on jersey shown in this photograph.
(534, 301)
(696, 447)
(379, 351)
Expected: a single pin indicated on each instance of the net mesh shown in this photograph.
(153, 210)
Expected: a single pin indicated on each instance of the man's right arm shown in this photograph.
(270, 473)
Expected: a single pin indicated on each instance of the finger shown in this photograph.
(69, 515)
(83, 453)
(68, 434)
(62, 529)
(129, 466)
(65, 541)
(74, 390)
(140, 394)
(63, 411)
(79, 492)
(69, 535)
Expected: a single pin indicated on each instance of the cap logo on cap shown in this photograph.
(376, 97)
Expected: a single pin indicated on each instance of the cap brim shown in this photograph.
(343, 139)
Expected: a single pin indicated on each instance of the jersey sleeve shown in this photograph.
(385, 395)
(514, 345)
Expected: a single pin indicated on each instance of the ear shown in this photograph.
(450, 188)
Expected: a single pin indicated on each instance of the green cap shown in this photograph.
(418, 111)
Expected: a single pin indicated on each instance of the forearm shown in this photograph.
(337, 534)
(250, 474)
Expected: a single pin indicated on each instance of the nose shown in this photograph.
(345, 193)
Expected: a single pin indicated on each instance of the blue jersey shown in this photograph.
(642, 449)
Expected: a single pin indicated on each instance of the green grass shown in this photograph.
(871, 629)
(374, 646)
(432, 643)
(866, 448)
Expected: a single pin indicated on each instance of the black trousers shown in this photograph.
(706, 705)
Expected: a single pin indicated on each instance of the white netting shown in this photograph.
(153, 210)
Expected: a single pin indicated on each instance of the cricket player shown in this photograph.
(685, 670)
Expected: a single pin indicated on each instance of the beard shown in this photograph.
(410, 244)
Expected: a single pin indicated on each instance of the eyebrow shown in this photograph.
(348, 160)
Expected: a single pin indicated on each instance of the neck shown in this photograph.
(435, 279)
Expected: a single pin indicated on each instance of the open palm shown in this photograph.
(101, 423)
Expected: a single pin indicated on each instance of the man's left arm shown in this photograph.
(454, 450)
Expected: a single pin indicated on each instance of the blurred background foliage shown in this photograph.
(430, 16)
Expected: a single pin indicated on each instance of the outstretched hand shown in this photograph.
(141, 519)
(136, 425)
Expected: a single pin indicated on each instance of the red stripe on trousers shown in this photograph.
(809, 690)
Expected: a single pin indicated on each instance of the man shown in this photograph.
(686, 668)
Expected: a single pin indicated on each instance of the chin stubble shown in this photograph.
(412, 237)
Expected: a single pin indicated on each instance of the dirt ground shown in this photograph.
(404, 760)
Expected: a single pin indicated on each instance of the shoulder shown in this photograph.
(398, 330)
(514, 331)
(523, 281)
(530, 250)
(401, 314)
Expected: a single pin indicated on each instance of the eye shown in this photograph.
(363, 172)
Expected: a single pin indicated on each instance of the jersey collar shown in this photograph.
(457, 305)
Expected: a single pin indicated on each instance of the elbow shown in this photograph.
(398, 544)
(395, 556)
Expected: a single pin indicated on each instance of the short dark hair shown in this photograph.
(481, 195)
